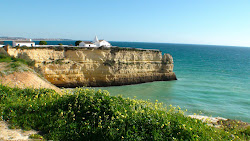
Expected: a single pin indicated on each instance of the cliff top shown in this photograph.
(113, 48)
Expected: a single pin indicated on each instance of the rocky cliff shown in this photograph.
(74, 67)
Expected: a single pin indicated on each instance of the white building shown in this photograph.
(2, 45)
(23, 43)
(102, 43)
(95, 43)
(87, 44)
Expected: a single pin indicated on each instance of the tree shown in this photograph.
(77, 43)
(42, 43)
(60, 44)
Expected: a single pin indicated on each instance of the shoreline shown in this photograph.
(220, 122)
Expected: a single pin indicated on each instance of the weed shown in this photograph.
(14, 65)
(5, 58)
(8, 59)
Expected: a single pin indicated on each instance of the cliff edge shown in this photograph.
(74, 67)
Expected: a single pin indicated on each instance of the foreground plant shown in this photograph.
(94, 115)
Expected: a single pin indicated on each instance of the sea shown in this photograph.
(212, 80)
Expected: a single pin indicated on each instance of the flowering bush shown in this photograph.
(94, 115)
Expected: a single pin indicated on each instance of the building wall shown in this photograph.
(87, 45)
(104, 43)
(82, 44)
(96, 44)
(23, 44)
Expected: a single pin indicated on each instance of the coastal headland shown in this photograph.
(114, 66)
(58, 115)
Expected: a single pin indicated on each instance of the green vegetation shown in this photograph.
(109, 63)
(56, 48)
(36, 136)
(94, 115)
(8, 59)
(71, 48)
(77, 43)
(113, 50)
(5, 58)
(15, 64)
(60, 44)
(60, 48)
(117, 49)
(42, 43)
(58, 61)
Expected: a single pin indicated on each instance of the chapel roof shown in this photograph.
(95, 39)
(87, 42)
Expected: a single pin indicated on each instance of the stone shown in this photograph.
(99, 67)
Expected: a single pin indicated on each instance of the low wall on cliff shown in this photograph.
(74, 67)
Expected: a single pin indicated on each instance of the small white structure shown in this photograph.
(2, 45)
(23, 43)
(102, 43)
(95, 43)
(87, 44)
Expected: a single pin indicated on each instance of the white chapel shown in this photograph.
(95, 43)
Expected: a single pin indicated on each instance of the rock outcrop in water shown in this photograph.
(74, 67)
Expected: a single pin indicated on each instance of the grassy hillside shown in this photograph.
(21, 73)
(15, 64)
(94, 115)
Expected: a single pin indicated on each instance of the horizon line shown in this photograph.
(65, 39)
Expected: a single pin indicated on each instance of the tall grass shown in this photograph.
(15, 64)
(8, 59)
(94, 115)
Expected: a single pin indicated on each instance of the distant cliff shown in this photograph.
(74, 67)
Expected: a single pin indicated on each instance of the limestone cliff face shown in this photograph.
(71, 67)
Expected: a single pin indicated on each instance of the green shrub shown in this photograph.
(109, 63)
(14, 65)
(59, 61)
(36, 136)
(5, 58)
(60, 48)
(84, 114)
(42, 43)
(77, 43)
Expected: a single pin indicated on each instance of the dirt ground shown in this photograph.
(21, 80)
(24, 80)
(7, 134)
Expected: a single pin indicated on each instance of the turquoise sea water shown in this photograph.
(214, 80)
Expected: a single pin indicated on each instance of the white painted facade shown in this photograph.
(95, 43)
(87, 44)
(103, 43)
(23, 43)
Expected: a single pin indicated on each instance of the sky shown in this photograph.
(215, 22)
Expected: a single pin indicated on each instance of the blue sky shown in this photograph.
(219, 22)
